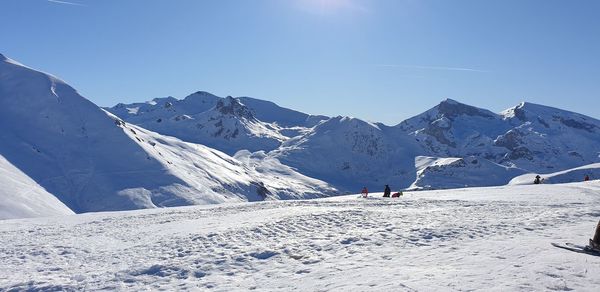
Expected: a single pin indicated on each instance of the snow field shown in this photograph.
(492, 239)
(22, 197)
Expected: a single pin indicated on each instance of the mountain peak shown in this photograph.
(451, 108)
(450, 101)
(346, 122)
(525, 105)
(200, 94)
(202, 97)
(532, 112)
(233, 106)
(524, 108)
(2, 58)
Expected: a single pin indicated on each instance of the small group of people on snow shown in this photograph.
(539, 180)
(387, 191)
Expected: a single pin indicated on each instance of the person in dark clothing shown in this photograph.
(586, 178)
(537, 180)
(387, 191)
(595, 242)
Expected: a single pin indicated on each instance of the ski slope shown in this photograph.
(489, 239)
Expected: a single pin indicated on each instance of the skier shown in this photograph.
(537, 180)
(592, 248)
(397, 195)
(387, 191)
(595, 243)
(586, 178)
(365, 192)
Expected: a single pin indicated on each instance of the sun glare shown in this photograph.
(329, 6)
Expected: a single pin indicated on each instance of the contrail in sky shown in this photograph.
(65, 2)
(432, 68)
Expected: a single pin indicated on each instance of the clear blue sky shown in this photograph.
(380, 60)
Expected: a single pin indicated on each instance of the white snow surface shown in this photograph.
(21, 197)
(478, 239)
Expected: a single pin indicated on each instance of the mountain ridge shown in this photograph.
(526, 136)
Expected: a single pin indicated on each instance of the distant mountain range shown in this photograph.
(60, 153)
(350, 153)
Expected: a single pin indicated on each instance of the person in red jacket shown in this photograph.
(365, 192)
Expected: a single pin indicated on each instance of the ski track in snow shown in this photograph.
(492, 239)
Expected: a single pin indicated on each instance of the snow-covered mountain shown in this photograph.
(453, 129)
(228, 124)
(93, 161)
(201, 101)
(543, 138)
(528, 136)
(351, 153)
(215, 177)
(444, 173)
(467, 146)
